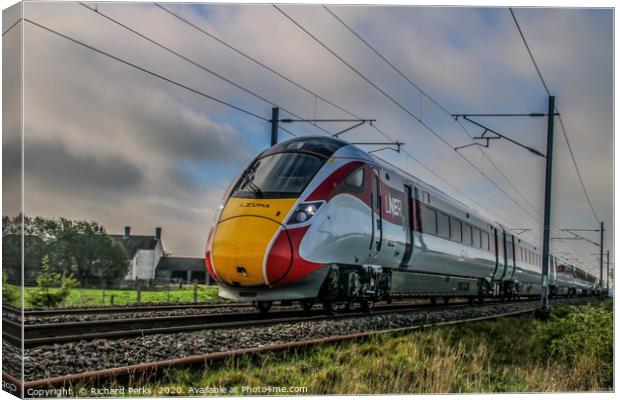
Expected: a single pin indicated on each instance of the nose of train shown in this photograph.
(250, 246)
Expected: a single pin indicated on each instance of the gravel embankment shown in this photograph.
(11, 360)
(75, 357)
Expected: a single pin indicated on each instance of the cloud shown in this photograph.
(187, 147)
(51, 166)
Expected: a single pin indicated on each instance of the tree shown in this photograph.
(52, 287)
(35, 239)
(85, 250)
(80, 248)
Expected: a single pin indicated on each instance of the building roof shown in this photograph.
(168, 263)
(135, 243)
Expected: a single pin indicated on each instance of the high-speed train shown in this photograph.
(315, 219)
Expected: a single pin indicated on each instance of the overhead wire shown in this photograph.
(542, 80)
(444, 109)
(253, 59)
(322, 98)
(563, 128)
(429, 97)
(407, 111)
(149, 72)
(570, 150)
(527, 47)
(189, 60)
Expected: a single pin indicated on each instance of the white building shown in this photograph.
(144, 253)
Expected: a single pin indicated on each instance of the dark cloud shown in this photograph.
(169, 127)
(53, 166)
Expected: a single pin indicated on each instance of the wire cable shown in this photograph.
(254, 60)
(430, 129)
(514, 17)
(322, 98)
(142, 69)
(570, 150)
(386, 60)
(433, 100)
(542, 80)
(196, 64)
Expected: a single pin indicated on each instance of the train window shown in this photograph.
(443, 226)
(278, 175)
(485, 241)
(467, 234)
(426, 197)
(455, 230)
(356, 178)
(353, 183)
(476, 238)
(429, 220)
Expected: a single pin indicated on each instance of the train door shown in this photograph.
(506, 247)
(514, 258)
(409, 222)
(500, 249)
(377, 215)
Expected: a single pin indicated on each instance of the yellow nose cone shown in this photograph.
(243, 236)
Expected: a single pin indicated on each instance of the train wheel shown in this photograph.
(330, 307)
(307, 305)
(263, 307)
(367, 306)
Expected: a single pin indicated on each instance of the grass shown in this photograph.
(572, 351)
(95, 297)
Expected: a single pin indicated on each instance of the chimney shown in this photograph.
(127, 230)
(158, 233)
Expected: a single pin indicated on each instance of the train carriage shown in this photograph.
(316, 219)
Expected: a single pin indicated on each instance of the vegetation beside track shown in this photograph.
(79, 297)
(572, 351)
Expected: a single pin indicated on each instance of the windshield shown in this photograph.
(278, 175)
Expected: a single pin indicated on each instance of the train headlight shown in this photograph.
(304, 212)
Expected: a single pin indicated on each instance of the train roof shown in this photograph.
(318, 145)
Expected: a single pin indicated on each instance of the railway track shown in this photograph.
(120, 309)
(53, 333)
(151, 369)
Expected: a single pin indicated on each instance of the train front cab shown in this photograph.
(252, 251)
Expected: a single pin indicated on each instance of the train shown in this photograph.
(318, 220)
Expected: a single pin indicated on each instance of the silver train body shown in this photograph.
(375, 232)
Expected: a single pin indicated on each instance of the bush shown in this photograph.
(52, 287)
(582, 338)
(10, 294)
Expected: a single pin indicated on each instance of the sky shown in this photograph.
(106, 142)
